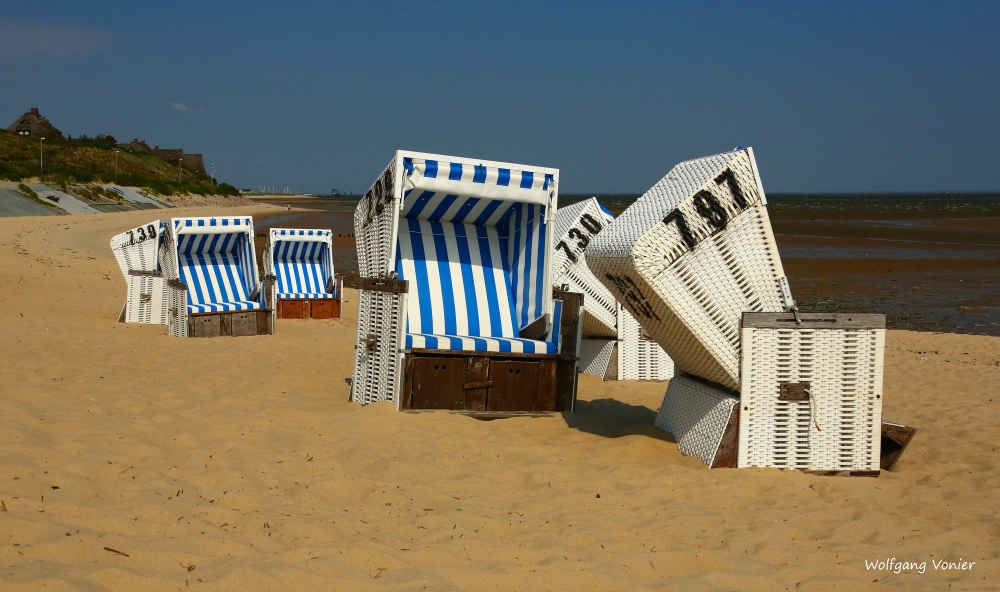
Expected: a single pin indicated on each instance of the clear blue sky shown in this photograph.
(838, 96)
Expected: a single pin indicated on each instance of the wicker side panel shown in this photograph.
(595, 354)
(641, 357)
(177, 316)
(696, 414)
(375, 222)
(378, 370)
(837, 428)
(599, 304)
(148, 300)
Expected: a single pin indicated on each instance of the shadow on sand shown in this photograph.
(611, 418)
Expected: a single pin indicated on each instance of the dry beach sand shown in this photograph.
(136, 461)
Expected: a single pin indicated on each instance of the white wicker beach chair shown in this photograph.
(138, 253)
(456, 306)
(301, 263)
(695, 260)
(614, 346)
(212, 279)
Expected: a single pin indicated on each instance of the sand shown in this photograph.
(238, 463)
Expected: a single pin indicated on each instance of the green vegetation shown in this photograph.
(30, 193)
(27, 191)
(83, 160)
(226, 189)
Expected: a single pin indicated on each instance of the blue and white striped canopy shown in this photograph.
(303, 262)
(215, 258)
(473, 242)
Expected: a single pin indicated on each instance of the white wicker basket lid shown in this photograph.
(690, 256)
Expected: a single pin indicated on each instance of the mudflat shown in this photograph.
(137, 461)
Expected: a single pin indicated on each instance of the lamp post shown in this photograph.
(116, 166)
(180, 165)
(213, 172)
(41, 157)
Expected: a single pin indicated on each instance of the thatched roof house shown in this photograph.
(33, 125)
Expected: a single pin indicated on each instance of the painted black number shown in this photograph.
(682, 226)
(584, 239)
(152, 231)
(569, 254)
(592, 225)
(710, 209)
(142, 233)
(729, 178)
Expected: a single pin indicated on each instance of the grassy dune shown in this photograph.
(88, 160)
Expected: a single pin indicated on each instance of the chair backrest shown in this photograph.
(301, 259)
(215, 258)
(137, 249)
(459, 282)
(473, 240)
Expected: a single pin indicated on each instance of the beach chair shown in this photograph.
(756, 383)
(613, 344)
(301, 262)
(212, 278)
(456, 306)
(138, 253)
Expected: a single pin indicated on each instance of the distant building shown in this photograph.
(137, 145)
(33, 125)
(192, 162)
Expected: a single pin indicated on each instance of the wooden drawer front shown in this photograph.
(324, 309)
(293, 309)
(438, 383)
(515, 386)
(244, 323)
(205, 326)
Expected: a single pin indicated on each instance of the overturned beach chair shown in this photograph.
(456, 307)
(138, 253)
(213, 283)
(301, 263)
(613, 344)
(757, 382)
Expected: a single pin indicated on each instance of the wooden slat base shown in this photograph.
(488, 384)
(309, 308)
(230, 324)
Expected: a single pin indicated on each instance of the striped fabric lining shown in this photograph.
(455, 192)
(218, 267)
(310, 295)
(459, 284)
(491, 344)
(527, 257)
(473, 242)
(301, 268)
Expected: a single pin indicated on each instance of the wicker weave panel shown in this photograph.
(839, 427)
(148, 300)
(177, 316)
(595, 355)
(690, 300)
(696, 414)
(641, 358)
(376, 221)
(378, 371)
(600, 318)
